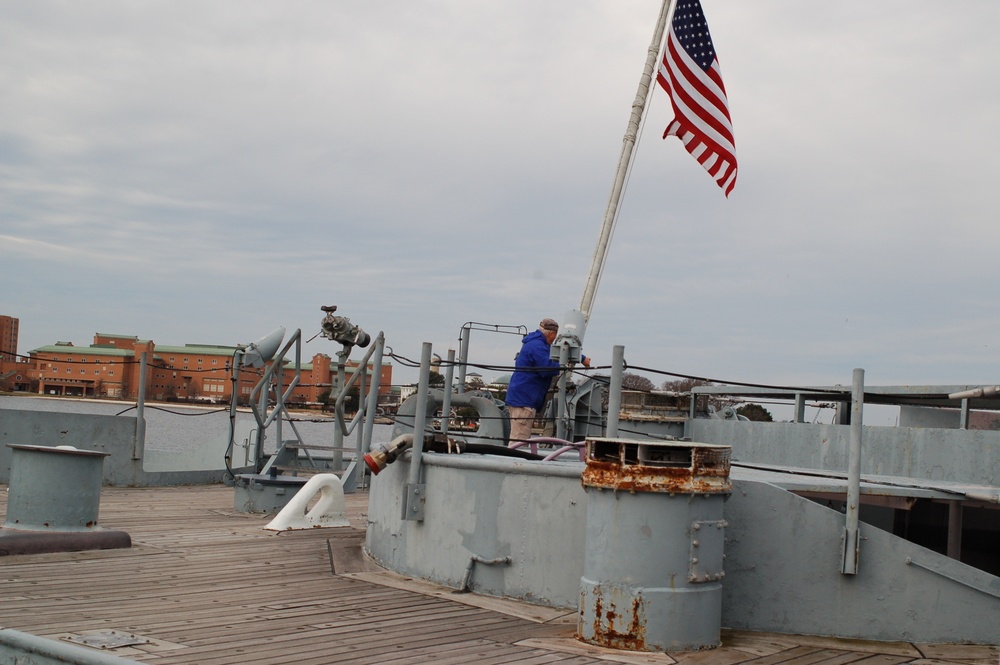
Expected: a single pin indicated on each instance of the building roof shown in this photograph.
(109, 350)
(82, 350)
(197, 349)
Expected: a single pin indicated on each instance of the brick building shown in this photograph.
(111, 367)
(8, 338)
(13, 370)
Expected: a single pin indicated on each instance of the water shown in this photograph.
(175, 427)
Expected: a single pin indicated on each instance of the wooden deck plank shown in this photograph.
(347, 634)
(962, 653)
(576, 648)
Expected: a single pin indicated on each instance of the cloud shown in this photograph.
(205, 172)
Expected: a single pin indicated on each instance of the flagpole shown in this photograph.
(638, 107)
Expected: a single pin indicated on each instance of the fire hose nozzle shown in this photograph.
(379, 459)
(376, 461)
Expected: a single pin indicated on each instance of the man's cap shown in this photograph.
(549, 324)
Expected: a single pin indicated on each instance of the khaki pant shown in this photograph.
(521, 420)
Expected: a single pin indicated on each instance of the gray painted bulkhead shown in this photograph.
(127, 464)
(963, 456)
(488, 507)
(783, 553)
(783, 560)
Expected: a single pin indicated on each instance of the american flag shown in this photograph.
(690, 74)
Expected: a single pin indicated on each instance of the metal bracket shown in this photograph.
(850, 559)
(413, 506)
(707, 541)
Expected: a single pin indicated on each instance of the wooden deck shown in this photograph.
(204, 584)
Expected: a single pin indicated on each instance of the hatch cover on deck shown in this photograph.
(107, 639)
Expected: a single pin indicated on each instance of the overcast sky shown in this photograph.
(194, 172)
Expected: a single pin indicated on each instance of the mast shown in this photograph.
(611, 212)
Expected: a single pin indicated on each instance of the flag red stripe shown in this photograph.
(698, 96)
(702, 83)
(705, 110)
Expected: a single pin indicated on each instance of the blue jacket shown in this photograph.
(533, 373)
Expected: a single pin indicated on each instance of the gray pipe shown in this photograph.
(561, 393)
(615, 391)
(463, 356)
(449, 376)
(140, 424)
(373, 392)
(420, 418)
(505, 465)
(852, 542)
(467, 579)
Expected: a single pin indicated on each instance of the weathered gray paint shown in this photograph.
(17, 648)
(114, 435)
(650, 571)
(783, 554)
(54, 489)
(916, 416)
(537, 520)
(971, 457)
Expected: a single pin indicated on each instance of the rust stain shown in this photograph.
(633, 478)
(607, 635)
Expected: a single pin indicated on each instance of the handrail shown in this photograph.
(265, 380)
(362, 407)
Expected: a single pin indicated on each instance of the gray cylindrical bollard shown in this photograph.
(653, 561)
(54, 488)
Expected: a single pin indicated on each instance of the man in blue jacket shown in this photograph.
(533, 374)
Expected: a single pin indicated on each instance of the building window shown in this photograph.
(69, 371)
(215, 361)
(111, 373)
(83, 371)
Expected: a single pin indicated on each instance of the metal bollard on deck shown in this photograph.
(653, 562)
(54, 497)
(54, 488)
